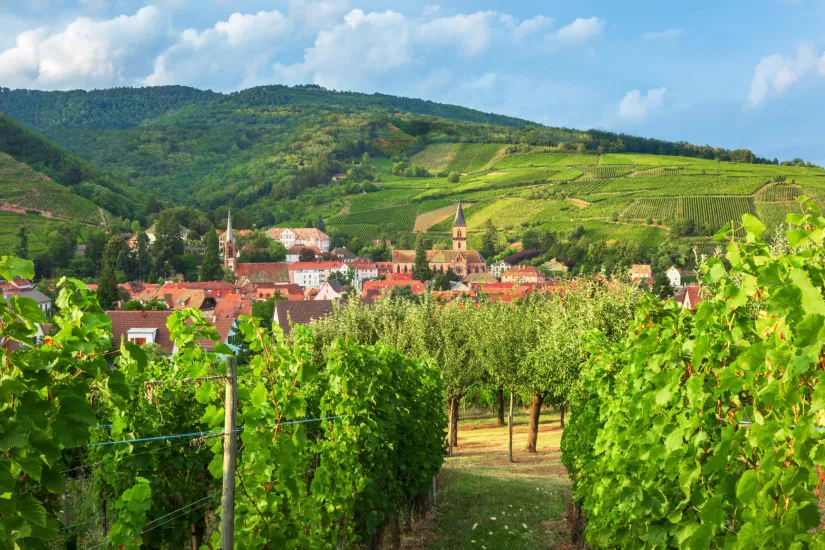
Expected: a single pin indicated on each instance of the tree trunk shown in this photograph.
(453, 423)
(561, 410)
(194, 532)
(510, 425)
(408, 517)
(396, 530)
(533, 434)
(500, 403)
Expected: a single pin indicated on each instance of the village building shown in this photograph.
(264, 291)
(150, 234)
(261, 272)
(372, 290)
(498, 268)
(225, 318)
(364, 270)
(641, 273)
(141, 327)
(332, 290)
(385, 269)
(293, 254)
(229, 245)
(674, 275)
(236, 234)
(178, 298)
(475, 279)
(215, 289)
(43, 301)
(342, 254)
(523, 274)
(307, 236)
(463, 262)
(289, 314)
(689, 296)
(314, 274)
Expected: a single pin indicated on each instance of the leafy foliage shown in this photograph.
(705, 430)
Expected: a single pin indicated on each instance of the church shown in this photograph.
(463, 262)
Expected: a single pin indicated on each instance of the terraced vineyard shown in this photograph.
(24, 189)
(613, 196)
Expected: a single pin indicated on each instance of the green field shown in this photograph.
(615, 196)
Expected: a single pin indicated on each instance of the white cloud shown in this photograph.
(661, 36)
(361, 46)
(471, 32)
(774, 74)
(529, 26)
(431, 10)
(86, 53)
(484, 82)
(634, 106)
(579, 31)
(232, 53)
(435, 80)
(317, 14)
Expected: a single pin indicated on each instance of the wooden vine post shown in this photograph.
(229, 435)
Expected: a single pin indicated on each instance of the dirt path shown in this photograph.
(486, 503)
(425, 221)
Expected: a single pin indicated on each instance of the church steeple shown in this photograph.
(459, 230)
(229, 245)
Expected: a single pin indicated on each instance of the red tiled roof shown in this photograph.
(301, 233)
(521, 271)
(263, 272)
(122, 321)
(375, 289)
(315, 265)
(300, 313)
(438, 256)
(364, 265)
(298, 248)
(225, 314)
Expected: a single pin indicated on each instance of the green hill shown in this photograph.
(63, 171)
(275, 155)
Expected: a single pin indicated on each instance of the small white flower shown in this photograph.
(493, 518)
(524, 525)
(506, 528)
(490, 533)
(473, 541)
(511, 506)
(474, 526)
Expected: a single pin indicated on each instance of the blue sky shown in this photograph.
(734, 74)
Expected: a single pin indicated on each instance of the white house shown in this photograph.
(498, 268)
(674, 276)
(314, 274)
(307, 236)
(364, 271)
(150, 233)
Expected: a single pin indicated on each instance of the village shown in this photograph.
(314, 277)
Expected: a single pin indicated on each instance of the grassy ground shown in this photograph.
(486, 503)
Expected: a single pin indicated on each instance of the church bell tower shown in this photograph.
(459, 230)
(229, 245)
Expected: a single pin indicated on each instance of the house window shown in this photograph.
(138, 341)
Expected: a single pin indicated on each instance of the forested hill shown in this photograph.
(66, 169)
(124, 107)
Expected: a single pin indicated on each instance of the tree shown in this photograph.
(489, 240)
(145, 266)
(421, 267)
(309, 223)
(662, 287)
(277, 251)
(211, 268)
(440, 282)
(306, 255)
(108, 291)
(21, 247)
(319, 223)
(168, 245)
(454, 177)
(365, 159)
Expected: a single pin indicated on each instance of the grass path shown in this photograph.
(485, 503)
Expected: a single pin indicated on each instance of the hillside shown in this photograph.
(614, 197)
(276, 155)
(61, 171)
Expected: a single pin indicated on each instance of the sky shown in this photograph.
(736, 74)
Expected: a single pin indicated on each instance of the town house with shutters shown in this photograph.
(463, 262)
